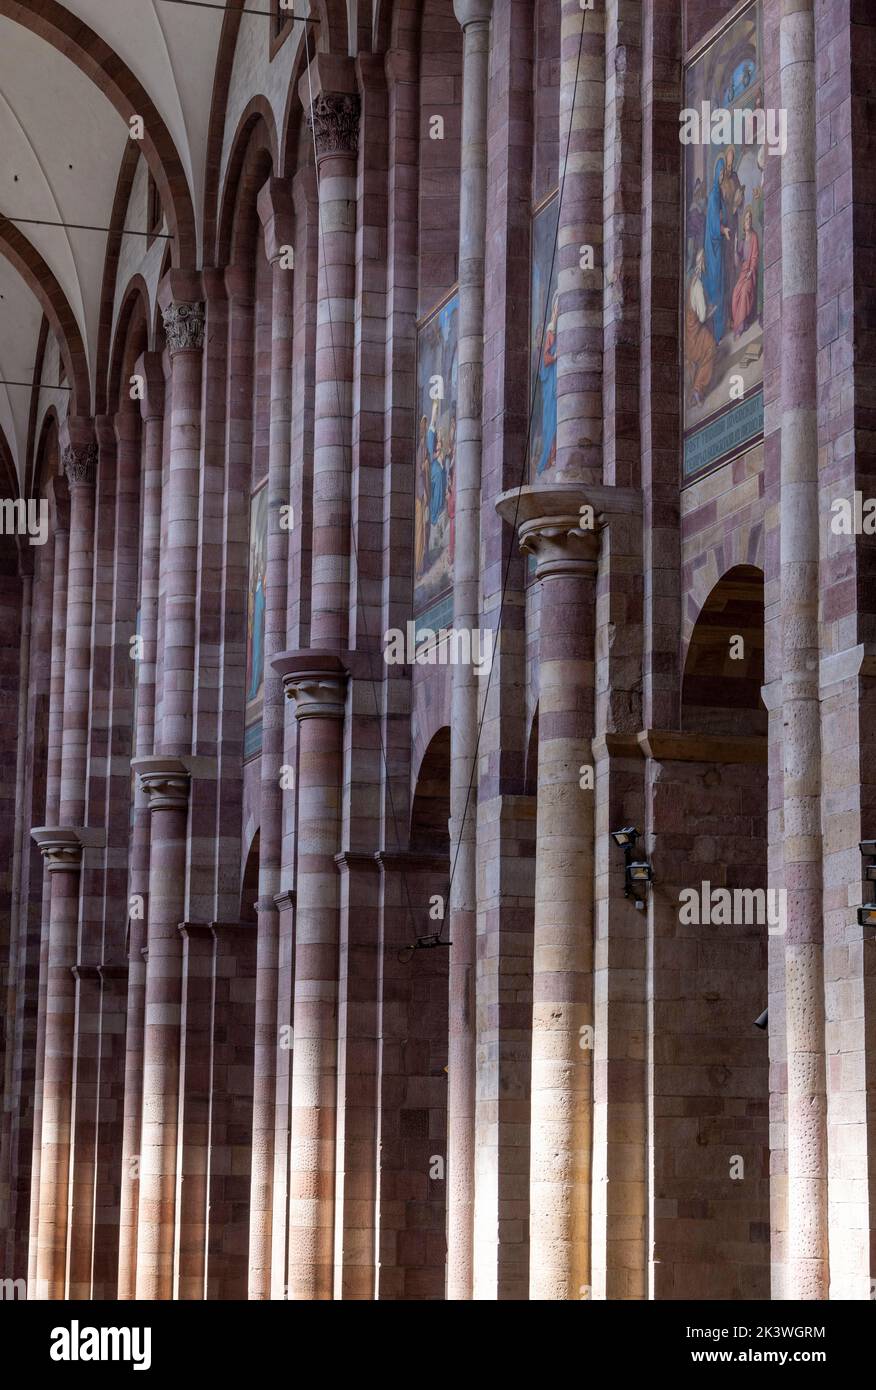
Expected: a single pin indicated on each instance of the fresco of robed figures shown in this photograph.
(543, 309)
(435, 463)
(255, 620)
(723, 257)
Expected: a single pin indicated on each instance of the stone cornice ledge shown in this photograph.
(350, 859)
(412, 860)
(679, 746)
(562, 497)
(686, 747)
(846, 665)
(109, 971)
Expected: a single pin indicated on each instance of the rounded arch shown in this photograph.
(334, 26)
(159, 336)
(252, 159)
(741, 545)
(33, 412)
(381, 25)
(218, 113)
(295, 151)
(15, 557)
(47, 449)
(121, 200)
(93, 56)
(36, 274)
(723, 670)
(430, 804)
(131, 337)
(249, 880)
(530, 772)
(546, 103)
(439, 180)
(8, 471)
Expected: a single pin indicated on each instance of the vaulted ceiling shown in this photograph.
(70, 76)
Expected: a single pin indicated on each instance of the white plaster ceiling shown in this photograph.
(52, 117)
(20, 316)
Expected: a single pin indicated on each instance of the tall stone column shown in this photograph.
(184, 327)
(566, 564)
(580, 292)
(317, 684)
(275, 210)
(149, 367)
(53, 803)
(165, 779)
(316, 680)
(166, 783)
(62, 850)
(474, 16)
(801, 716)
(333, 117)
(80, 466)
(35, 599)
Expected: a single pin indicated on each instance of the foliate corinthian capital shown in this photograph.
(80, 464)
(334, 120)
(559, 545)
(559, 525)
(184, 326)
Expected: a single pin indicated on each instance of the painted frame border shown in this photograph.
(687, 480)
(535, 211)
(439, 603)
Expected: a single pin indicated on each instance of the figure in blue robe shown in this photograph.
(547, 374)
(258, 638)
(437, 473)
(713, 280)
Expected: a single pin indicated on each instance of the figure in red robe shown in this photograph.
(745, 289)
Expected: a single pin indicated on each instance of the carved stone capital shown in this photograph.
(165, 781)
(316, 681)
(334, 120)
(80, 465)
(184, 327)
(316, 695)
(560, 525)
(60, 847)
(560, 545)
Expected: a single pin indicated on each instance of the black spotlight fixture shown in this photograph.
(867, 913)
(623, 838)
(762, 1019)
(638, 874)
